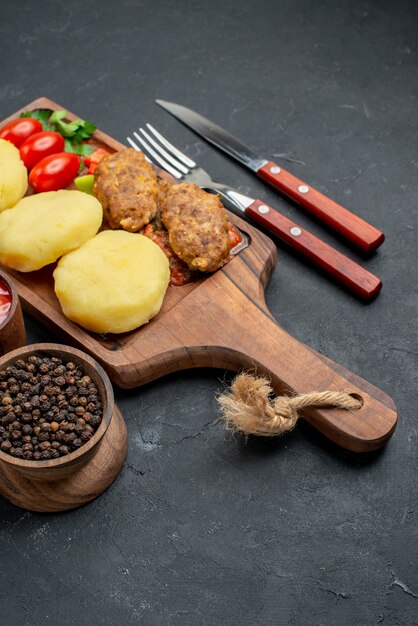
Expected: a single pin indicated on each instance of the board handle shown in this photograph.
(294, 368)
(237, 332)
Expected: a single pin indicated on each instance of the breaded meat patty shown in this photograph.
(126, 186)
(197, 225)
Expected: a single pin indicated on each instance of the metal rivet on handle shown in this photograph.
(275, 169)
(263, 209)
(295, 231)
(303, 188)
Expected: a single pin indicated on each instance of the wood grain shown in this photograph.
(221, 321)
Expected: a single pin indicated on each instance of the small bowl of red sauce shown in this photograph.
(12, 327)
(5, 302)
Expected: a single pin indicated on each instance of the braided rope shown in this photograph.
(248, 407)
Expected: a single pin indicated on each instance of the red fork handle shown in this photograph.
(342, 269)
(363, 235)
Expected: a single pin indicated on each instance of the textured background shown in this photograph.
(200, 529)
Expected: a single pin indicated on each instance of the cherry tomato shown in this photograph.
(17, 131)
(54, 172)
(40, 145)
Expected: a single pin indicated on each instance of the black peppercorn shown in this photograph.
(47, 408)
(69, 437)
(95, 420)
(79, 428)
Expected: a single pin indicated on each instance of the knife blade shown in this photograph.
(349, 225)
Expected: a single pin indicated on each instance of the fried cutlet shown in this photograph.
(126, 186)
(197, 224)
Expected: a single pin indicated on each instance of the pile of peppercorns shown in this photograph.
(48, 408)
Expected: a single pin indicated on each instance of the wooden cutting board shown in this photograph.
(220, 321)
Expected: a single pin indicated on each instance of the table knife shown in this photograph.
(350, 226)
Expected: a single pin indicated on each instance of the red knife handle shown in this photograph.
(363, 235)
(345, 271)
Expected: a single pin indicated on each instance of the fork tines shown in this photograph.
(162, 152)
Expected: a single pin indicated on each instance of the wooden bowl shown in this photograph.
(72, 480)
(12, 328)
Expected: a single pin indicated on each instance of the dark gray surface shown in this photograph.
(200, 528)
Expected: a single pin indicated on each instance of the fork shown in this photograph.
(344, 270)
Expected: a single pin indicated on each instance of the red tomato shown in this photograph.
(17, 131)
(40, 145)
(54, 172)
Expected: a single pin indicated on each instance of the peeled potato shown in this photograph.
(13, 175)
(41, 228)
(114, 283)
